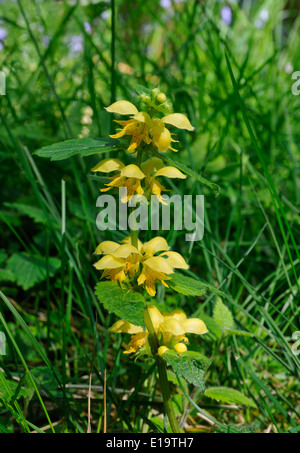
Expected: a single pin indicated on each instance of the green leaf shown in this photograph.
(3, 256)
(33, 212)
(125, 303)
(240, 333)
(214, 330)
(190, 365)
(228, 395)
(29, 270)
(188, 171)
(223, 316)
(84, 147)
(190, 287)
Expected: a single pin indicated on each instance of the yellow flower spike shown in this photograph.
(174, 259)
(109, 262)
(161, 350)
(106, 248)
(194, 325)
(108, 165)
(178, 120)
(155, 245)
(156, 317)
(122, 108)
(132, 171)
(180, 348)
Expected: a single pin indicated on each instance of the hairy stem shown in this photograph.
(162, 371)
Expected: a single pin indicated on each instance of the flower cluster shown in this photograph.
(140, 181)
(140, 263)
(144, 129)
(170, 328)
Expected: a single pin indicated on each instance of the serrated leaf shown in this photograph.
(189, 286)
(223, 316)
(125, 303)
(214, 330)
(188, 171)
(84, 147)
(6, 275)
(29, 270)
(190, 365)
(228, 395)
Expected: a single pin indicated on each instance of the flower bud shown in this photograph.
(162, 350)
(161, 98)
(180, 348)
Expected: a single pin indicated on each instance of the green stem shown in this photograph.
(154, 344)
(162, 372)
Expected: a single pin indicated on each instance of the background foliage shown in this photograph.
(64, 62)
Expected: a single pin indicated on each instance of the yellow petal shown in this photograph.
(173, 326)
(175, 260)
(194, 325)
(108, 165)
(124, 251)
(117, 326)
(163, 141)
(176, 314)
(127, 240)
(156, 316)
(161, 350)
(159, 264)
(178, 120)
(106, 248)
(123, 108)
(155, 245)
(109, 262)
(143, 117)
(152, 165)
(170, 172)
(132, 171)
(122, 326)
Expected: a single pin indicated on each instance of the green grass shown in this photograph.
(233, 84)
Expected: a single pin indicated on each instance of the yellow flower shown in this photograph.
(154, 168)
(117, 260)
(161, 136)
(139, 130)
(129, 177)
(141, 125)
(158, 267)
(170, 328)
